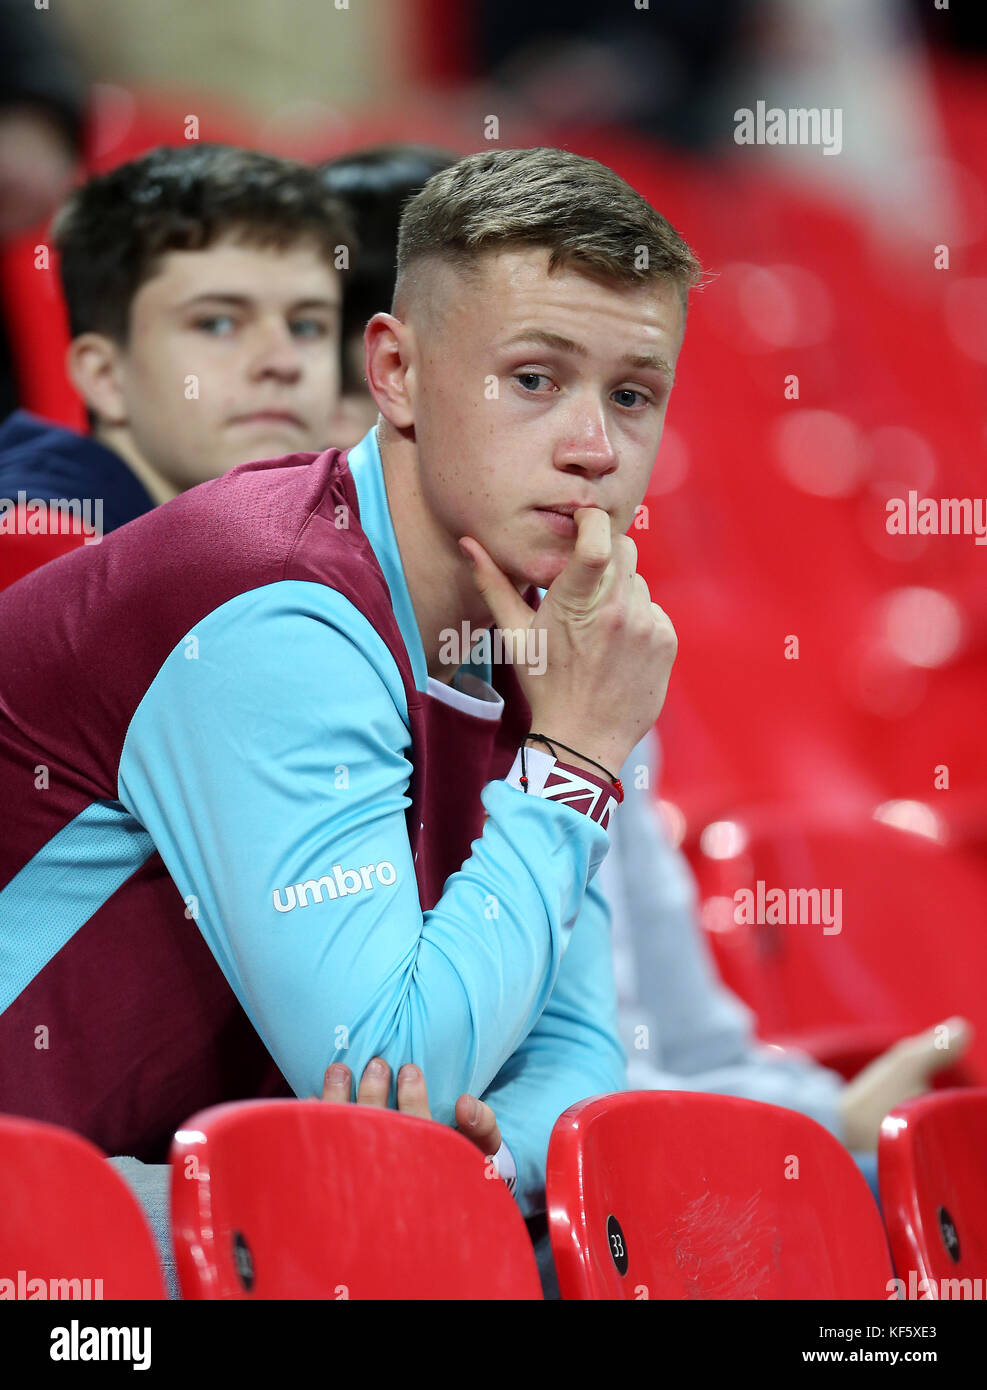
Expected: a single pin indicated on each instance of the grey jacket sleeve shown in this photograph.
(681, 1027)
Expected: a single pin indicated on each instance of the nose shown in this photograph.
(585, 448)
(275, 352)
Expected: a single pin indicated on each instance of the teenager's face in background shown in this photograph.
(533, 391)
(232, 355)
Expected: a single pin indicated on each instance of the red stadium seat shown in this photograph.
(932, 1161)
(20, 553)
(299, 1199)
(37, 328)
(767, 516)
(69, 1220)
(676, 1195)
(910, 951)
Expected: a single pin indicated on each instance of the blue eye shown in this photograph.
(627, 391)
(309, 328)
(218, 325)
(531, 376)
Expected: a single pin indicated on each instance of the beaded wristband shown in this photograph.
(540, 738)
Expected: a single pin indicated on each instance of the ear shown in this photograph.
(389, 370)
(93, 363)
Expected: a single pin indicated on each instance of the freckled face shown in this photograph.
(533, 392)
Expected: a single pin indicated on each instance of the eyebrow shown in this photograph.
(244, 301)
(560, 343)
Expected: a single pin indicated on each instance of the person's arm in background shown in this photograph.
(700, 1036)
(268, 763)
(572, 1052)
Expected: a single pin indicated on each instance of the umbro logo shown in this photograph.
(339, 884)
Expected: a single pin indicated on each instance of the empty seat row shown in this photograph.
(650, 1195)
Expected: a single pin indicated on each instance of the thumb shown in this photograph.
(507, 608)
(483, 1131)
(579, 583)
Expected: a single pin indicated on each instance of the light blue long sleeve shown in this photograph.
(572, 1052)
(273, 751)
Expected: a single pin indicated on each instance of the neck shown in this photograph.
(159, 488)
(438, 575)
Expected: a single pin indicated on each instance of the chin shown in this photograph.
(273, 446)
(539, 570)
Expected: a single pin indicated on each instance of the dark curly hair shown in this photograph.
(113, 230)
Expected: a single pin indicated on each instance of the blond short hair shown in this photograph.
(582, 212)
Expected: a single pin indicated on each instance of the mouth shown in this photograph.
(567, 508)
(269, 417)
(561, 518)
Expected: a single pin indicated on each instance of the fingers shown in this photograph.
(897, 1075)
(943, 1045)
(337, 1084)
(474, 1118)
(921, 1054)
(412, 1092)
(375, 1083)
(641, 598)
(337, 1087)
(507, 608)
(483, 1131)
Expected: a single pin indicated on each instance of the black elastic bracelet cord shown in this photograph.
(540, 738)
